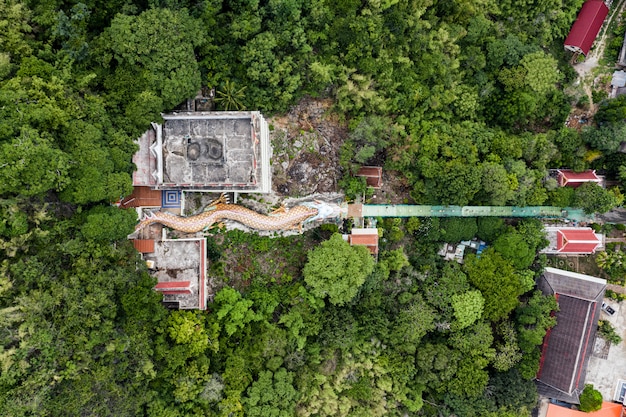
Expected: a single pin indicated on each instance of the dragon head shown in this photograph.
(324, 210)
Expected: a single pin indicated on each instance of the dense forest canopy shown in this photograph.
(463, 99)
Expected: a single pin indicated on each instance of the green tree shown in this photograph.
(498, 282)
(153, 51)
(611, 111)
(337, 270)
(592, 198)
(273, 394)
(230, 98)
(590, 399)
(468, 307)
(456, 229)
(489, 228)
(108, 223)
(514, 248)
(233, 311)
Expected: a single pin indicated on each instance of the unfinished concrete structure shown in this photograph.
(206, 151)
(180, 268)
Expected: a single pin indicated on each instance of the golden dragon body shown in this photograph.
(281, 219)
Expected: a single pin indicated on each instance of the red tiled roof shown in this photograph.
(571, 178)
(587, 25)
(172, 284)
(142, 197)
(373, 176)
(371, 241)
(174, 287)
(144, 245)
(582, 240)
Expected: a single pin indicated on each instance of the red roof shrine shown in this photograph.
(367, 237)
(582, 240)
(586, 27)
(373, 176)
(567, 177)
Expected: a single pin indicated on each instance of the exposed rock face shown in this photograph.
(306, 146)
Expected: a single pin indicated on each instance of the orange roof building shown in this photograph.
(608, 410)
(365, 236)
(569, 178)
(144, 245)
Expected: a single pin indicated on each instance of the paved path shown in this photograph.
(585, 69)
(617, 288)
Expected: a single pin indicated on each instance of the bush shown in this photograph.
(615, 296)
(489, 228)
(456, 229)
(590, 399)
(608, 333)
(598, 96)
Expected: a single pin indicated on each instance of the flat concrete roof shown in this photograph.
(207, 151)
(182, 260)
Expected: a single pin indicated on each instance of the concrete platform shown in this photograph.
(604, 369)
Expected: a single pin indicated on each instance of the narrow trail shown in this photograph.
(585, 69)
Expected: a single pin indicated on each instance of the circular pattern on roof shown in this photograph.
(193, 151)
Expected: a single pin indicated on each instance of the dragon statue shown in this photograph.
(219, 210)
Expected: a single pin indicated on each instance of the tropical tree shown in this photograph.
(336, 270)
(230, 98)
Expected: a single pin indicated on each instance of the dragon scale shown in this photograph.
(218, 212)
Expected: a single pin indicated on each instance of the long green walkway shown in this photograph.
(405, 210)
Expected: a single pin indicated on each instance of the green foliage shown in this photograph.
(432, 90)
(534, 319)
(611, 111)
(394, 260)
(607, 332)
(615, 295)
(590, 399)
(489, 228)
(354, 187)
(230, 98)
(187, 328)
(498, 282)
(456, 229)
(592, 198)
(233, 311)
(514, 248)
(108, 223)
(271, 395)
(337, 270)
(468, 308)
(605, 138)
(153, 51)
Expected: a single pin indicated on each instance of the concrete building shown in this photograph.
(206, 151)
(180, 268)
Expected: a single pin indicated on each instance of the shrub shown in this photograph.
(608, 333)
(590, 399)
